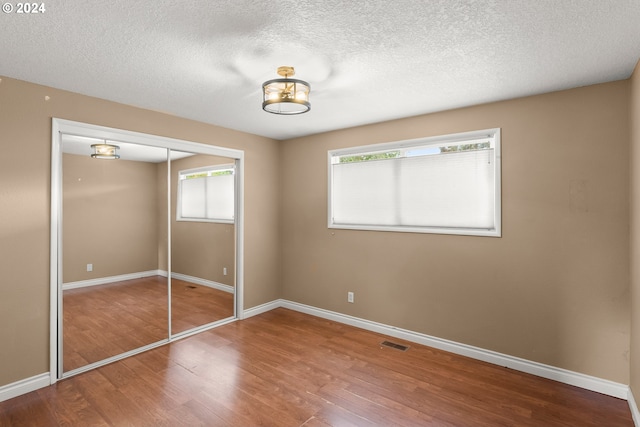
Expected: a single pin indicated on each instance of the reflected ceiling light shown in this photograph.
(286, 96)
(105, 151)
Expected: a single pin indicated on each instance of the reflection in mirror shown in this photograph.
(114, 248)
(202, 240)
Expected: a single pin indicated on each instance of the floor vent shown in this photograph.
(394, 345)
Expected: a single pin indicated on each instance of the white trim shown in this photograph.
(239, 231)
(213, 221)
(169, 251)
(55, 266)
(633, 406)
(204, 282)
(24, 386)
(565, 376)
(112, 279)
(70, 127)
(263, 308)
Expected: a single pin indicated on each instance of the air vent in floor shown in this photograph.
(394, 345)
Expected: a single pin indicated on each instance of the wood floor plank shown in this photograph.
(283, 368)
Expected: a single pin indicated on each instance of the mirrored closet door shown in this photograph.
(202, 240)
(114, 299)
(146, 241)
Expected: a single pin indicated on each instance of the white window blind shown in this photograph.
(430, 185)
(192, 196)
(207, 194)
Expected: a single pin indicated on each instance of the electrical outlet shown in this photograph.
(89, 267)
(350, 297)
(224, 271)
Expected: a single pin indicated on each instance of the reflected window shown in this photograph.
(207, 194)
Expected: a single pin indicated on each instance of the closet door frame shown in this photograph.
(62, 126)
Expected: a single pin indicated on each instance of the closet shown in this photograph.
(146, 242)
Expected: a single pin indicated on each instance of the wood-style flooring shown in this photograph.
(284, 368)
(107, 320)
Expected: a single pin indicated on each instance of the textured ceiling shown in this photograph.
(367, 61)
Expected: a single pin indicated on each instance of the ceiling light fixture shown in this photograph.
(286, 96)
(105, 151)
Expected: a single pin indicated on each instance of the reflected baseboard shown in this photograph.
(111, 279)
(142, 274)
(203, 282)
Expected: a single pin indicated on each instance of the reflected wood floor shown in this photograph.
(195, 305)
(106, 320)
(284, 368)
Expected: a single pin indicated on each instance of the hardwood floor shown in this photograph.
(107, 320)
(284, 368)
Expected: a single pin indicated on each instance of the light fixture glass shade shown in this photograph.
(105, 151)
(286, 96)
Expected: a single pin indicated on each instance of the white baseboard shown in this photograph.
(577, 379)
(203, 282)
(635, 413)
(25, 386)
(254, 311)
(111, 279)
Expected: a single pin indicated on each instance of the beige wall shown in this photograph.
(201, 249)
(110, 217)
(635, 232)
(25, 132)
(554, 289)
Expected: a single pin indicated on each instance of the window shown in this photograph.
(207, 194)
(447, 184)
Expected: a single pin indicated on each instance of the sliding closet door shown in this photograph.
(145, 248)
(203, 235)
(114, 234)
